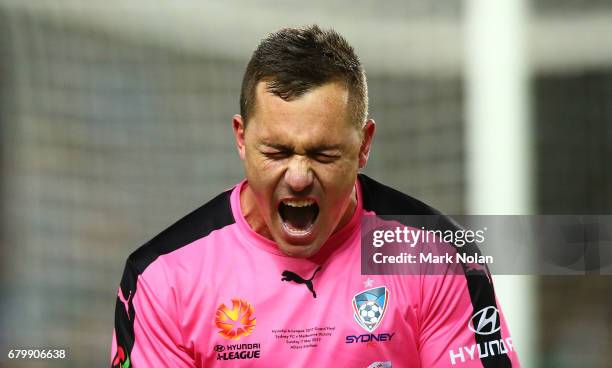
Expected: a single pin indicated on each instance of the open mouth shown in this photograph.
(298, 215)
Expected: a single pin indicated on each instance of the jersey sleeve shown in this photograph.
(146, 333)
(462, 324)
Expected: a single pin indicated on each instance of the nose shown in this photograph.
(298, 175)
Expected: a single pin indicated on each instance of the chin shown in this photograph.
(299, 251)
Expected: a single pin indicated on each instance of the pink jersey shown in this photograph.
(210, 292)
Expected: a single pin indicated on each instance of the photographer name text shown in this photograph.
(458, 258)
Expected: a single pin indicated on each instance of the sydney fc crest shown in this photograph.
(369, 307)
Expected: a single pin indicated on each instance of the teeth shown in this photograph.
(298, 203)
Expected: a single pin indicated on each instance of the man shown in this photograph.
(268, 273)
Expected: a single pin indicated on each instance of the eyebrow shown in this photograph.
(316, 148)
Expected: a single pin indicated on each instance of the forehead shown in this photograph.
(321, 114)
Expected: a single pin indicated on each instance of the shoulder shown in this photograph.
(385, 200)
(392, 204)
(214, 215)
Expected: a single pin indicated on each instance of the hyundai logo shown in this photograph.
(219, 348)
(485, 322)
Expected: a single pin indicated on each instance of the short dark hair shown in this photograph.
(295, 60)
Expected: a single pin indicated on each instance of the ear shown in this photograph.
(238, 127)
(367, 133)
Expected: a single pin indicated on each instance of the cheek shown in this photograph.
(342, 171)
(338, 181)
(263, 176)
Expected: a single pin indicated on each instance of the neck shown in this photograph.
(350, 210)
(251, 213)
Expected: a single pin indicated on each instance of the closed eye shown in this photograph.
(325, 157)
(277, 155)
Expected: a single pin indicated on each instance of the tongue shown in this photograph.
(299, 218)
